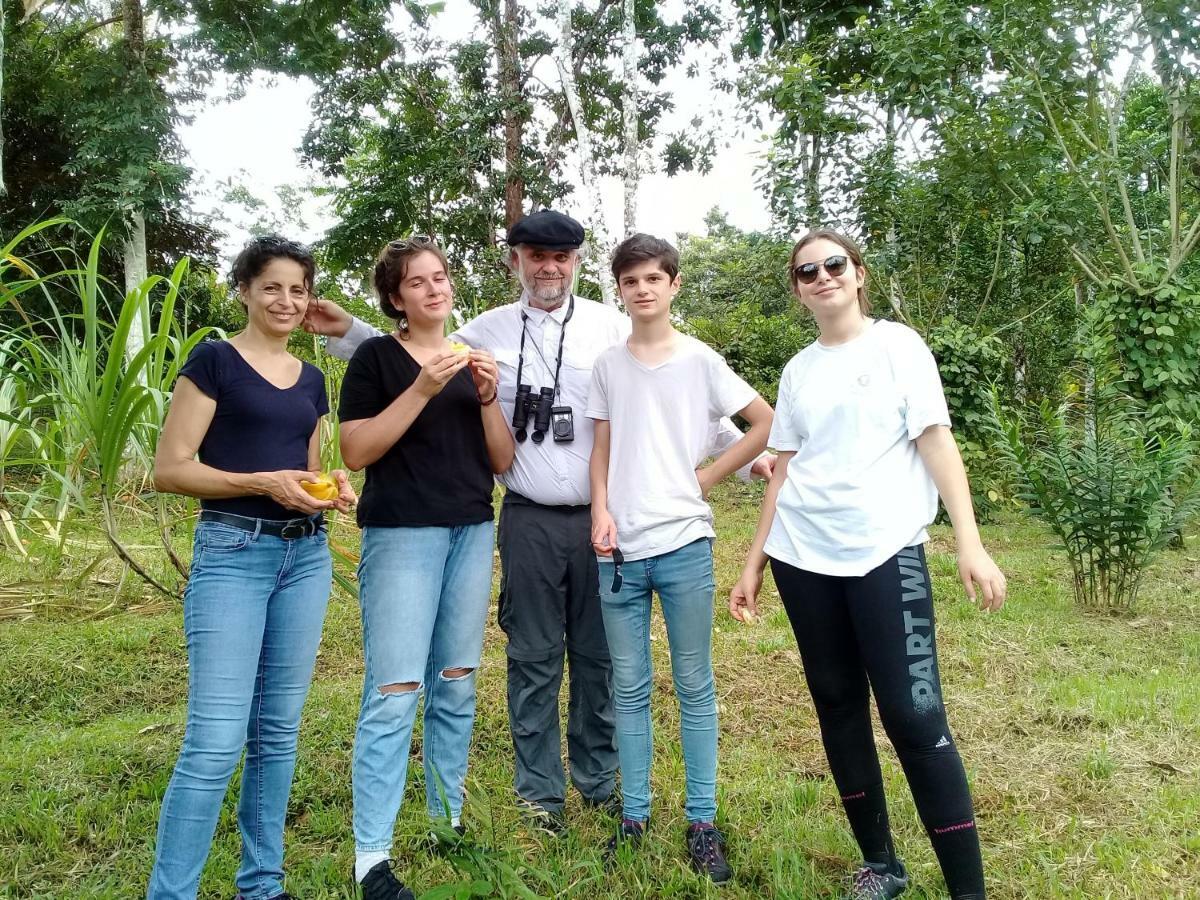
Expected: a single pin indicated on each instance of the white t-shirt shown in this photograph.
(857, 491)
(659, 432)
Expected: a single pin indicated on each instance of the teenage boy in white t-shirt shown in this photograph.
(652, 398)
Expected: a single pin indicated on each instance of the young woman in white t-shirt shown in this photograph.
(865, 448)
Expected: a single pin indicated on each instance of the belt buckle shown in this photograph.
(294, 529)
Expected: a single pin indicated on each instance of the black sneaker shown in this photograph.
(629, 834)
(612, 805)
(552, 822)
(447, 838)
(706, 848)
(876, 881)
(381, 883)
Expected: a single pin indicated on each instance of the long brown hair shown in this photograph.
(852, 250)
(392, 266)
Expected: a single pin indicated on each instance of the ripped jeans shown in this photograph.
(424, 595)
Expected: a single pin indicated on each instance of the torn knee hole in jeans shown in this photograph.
(400, 687)
(456, 674)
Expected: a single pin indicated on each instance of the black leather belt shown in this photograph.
(288, 529)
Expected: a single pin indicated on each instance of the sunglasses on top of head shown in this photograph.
(417, 240)
(806, 273)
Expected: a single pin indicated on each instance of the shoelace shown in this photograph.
(868, 883)
(705, 844)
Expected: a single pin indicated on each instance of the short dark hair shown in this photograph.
(392, 266)
(640, 248)
(259, 251)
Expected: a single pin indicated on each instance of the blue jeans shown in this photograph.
(252, 613)
(424, 595)
(684, 582)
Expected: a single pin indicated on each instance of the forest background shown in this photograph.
(1025, 181)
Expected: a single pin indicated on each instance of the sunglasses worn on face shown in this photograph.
(806, 273)
(618, 559)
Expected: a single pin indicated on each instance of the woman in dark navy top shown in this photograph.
(421, 415)
(255, 600)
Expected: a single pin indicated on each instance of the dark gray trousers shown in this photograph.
(550, 610)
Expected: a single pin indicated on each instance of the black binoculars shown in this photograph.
(546, 416)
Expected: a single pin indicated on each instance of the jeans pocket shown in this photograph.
(216, 536)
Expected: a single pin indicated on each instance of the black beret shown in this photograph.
(547, 229)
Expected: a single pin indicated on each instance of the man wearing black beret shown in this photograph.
(545, 345)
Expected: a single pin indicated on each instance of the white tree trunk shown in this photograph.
(3, 189)
(583, 137)
(629, 110)
(135, 273)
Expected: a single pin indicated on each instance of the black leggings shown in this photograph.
(876, 631)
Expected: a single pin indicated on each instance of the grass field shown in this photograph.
(1081, 734)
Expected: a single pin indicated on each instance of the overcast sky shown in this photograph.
(253, 141)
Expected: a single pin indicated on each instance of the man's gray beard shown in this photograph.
(547, 298)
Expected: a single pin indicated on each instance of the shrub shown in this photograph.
(1112, 485)
(970, 362)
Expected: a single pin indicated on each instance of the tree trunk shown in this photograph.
(629, 99)
(506, 31)
(813, 210)
(134, 249)
(3, 189)
(583, 137)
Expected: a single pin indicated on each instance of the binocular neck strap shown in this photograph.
(562, 338)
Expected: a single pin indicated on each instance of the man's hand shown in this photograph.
(326, 317)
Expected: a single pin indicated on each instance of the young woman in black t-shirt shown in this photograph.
(421, 415)
(255, 600)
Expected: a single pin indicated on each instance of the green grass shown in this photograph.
(1081, 734)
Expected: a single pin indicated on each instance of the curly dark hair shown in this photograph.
(259, 251)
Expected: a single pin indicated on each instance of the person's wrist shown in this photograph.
(253, 482)
(490, 400)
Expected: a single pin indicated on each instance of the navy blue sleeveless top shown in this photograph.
(257, 427)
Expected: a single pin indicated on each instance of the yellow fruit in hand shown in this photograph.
(459, 347)
(324, 488)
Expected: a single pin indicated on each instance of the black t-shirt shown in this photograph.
(257, 427)
(438, 473)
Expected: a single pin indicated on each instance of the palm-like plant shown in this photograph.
(1113, 491)
(96, 410)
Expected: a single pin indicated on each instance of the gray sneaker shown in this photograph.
(875, 881)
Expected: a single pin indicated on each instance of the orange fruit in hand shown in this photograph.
(324, 488)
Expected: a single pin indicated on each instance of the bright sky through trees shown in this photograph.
(253, 142)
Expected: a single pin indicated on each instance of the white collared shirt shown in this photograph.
(549, 473)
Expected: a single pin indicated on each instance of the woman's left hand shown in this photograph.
(346, 498)
(975, 567)
(486, 374)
